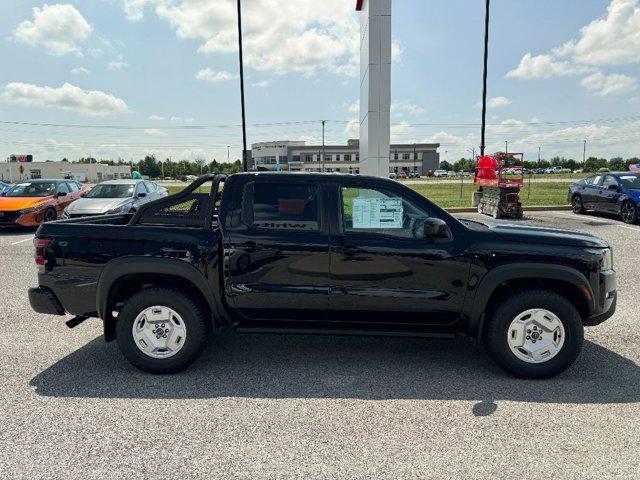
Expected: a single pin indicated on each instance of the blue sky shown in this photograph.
(165, 73)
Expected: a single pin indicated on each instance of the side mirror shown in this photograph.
(61, 194)
(615, 187)
(437, 230)
(141, 195)
(84, 194)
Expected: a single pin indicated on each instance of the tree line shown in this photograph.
(151, 167)
(592, 164)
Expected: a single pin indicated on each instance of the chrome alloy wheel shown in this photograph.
(628, 212)
(159, 332)
(536, 335)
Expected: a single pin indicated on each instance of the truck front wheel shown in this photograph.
(534, 334)
(161, 330)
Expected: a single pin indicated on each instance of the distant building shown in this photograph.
(297, 156)
(91, 172)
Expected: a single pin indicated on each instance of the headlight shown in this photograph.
(121, 209)
(607, 260)
(32, 209)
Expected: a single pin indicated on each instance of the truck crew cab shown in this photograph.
(322, 253)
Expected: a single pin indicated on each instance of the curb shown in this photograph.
(532, 208)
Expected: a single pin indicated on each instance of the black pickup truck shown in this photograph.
(322, 253)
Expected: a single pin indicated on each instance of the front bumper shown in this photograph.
(16, 219)
(43, 300)
(606, 299)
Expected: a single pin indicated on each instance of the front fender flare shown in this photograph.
(476, 305)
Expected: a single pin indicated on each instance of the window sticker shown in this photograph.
(377, 212)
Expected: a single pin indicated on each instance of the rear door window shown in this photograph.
(282, 206)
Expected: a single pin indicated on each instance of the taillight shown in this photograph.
(40, 244)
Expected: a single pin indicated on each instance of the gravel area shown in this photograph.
(271, 406)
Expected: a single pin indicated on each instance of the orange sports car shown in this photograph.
(32, 202)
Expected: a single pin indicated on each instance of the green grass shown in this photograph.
(447, 195)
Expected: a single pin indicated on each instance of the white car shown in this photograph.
(440, 173)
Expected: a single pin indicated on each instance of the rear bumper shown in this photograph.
(43, 300)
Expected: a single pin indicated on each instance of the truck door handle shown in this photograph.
(249, 247)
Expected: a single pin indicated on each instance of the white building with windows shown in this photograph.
(297, 156)
(90, 172)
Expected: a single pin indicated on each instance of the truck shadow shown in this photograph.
(274, 366)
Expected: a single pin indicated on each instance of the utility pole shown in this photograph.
(506, 146)
(323, 167)
(244, 124)
(228, 153)
(584, 152)
(484, 76)
(538, 156)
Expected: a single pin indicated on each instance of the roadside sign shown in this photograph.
(21, 169)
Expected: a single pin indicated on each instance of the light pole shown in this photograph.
(244, 124)
(484, 76)
(323, 166)
(584, 152)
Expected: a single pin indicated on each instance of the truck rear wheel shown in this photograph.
(534, 334)
(161, 330)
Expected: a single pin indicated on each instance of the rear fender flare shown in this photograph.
(120, 267)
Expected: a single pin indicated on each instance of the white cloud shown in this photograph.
(305, 36)
(95, 52)
(155, 117)
(182, 119)
(208, 75)
(352, 129)
(117, 64)
(608, 41)
(544, 66)
(612, 40)
(134, 9)
(354, 107)
(59, 28)
(401, 107)
(154, 132)
(80, 71)
(67, 97)
(612, 84)
(260, 84)
(400, 129)
(496, 102)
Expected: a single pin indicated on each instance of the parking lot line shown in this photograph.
(23, 240)
(628, 227)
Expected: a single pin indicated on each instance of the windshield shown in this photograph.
(111, 191)
(35, 189)
(630, 181)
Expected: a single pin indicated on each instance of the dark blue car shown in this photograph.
(616, 192)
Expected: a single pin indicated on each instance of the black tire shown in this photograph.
(629, 213)
(497, 325)
(576, 205)
(50, 215)
(193, 314)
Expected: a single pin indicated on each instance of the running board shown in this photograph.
(346, 332)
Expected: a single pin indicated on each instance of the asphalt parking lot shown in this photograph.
(269, 406)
